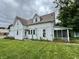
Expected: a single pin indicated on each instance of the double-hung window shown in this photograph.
(33, 32)
(44, 33)
(17, 32)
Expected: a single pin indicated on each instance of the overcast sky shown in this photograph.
(9, 9)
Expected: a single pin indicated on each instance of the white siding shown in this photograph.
(34, 19)
(15, 28)
(39, 31)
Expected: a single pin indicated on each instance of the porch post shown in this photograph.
(68, 38)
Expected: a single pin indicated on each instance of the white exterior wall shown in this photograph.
(20, 29)
(39, 31)
(15, 28)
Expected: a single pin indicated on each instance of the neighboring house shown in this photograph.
(3, 32)
(40, 27)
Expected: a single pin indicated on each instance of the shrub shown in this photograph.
(74, 38)
(40, 40)
(59, 40)
(11, 38)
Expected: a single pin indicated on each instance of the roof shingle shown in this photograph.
(44, 18)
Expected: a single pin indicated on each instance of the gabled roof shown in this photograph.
(22, 20)
(45, 18)
(48, 17)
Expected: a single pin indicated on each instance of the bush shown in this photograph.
(59, 40)
(11, 38)
(40, 40)
(74, 38)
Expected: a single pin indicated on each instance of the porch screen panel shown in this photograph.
(64, 33)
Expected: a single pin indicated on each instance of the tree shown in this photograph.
(69, 13)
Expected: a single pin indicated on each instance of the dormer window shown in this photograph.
(17, 32)
(36, 18)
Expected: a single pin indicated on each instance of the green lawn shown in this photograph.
(14, 49)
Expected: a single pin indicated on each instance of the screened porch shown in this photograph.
(62, 33)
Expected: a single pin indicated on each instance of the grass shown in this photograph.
(14, 49)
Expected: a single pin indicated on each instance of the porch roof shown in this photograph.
(61, 28)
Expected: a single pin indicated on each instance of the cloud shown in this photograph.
(43, 6)
(11, 2)
(9, 9)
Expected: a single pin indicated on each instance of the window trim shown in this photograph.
(33, 32)
(44, 33)
(25, 32)
(29, 32)
(17, 32)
